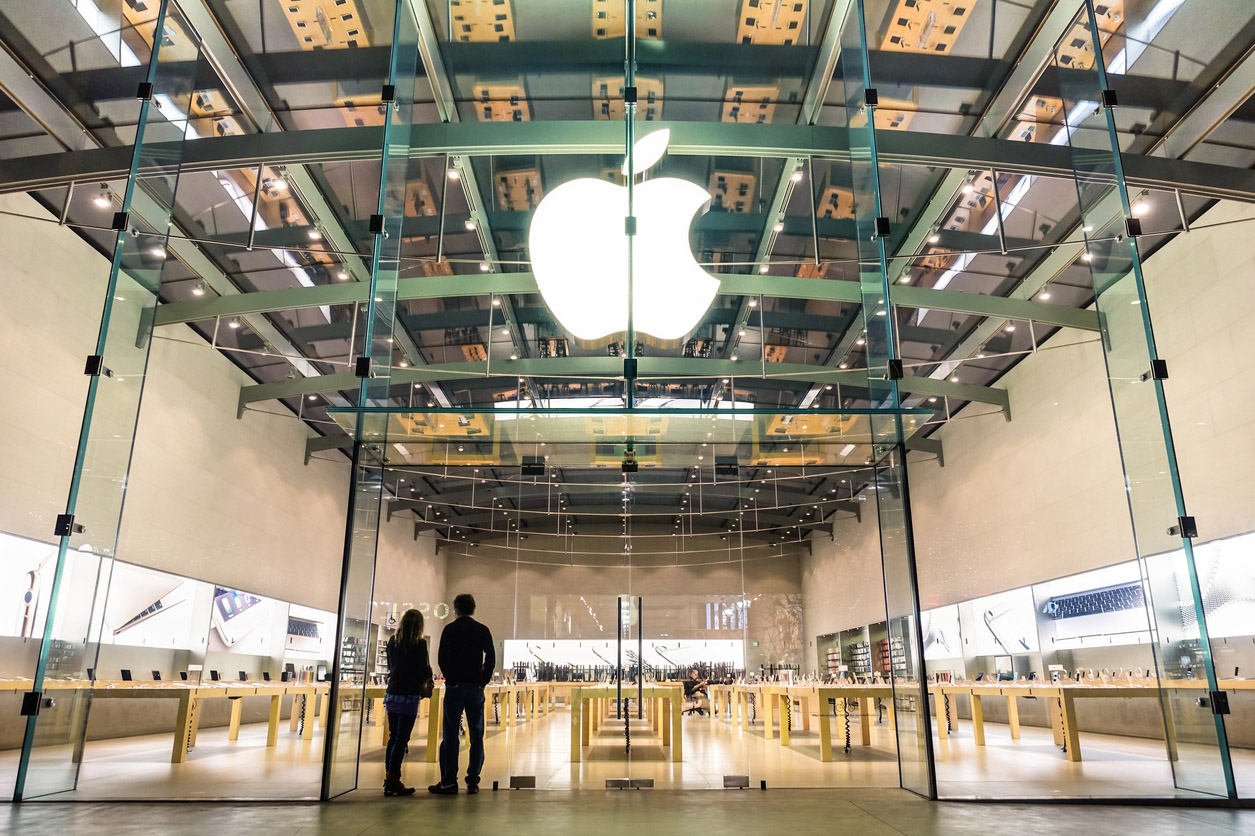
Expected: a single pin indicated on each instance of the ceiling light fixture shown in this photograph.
(796, 177)
(233, 323)
(778, 227)
(342, 275)
(483, 267)
(453, 174)
(314, 235)
(104, 199)
(199, 289)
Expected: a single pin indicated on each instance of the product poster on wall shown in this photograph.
(26, 569)
(241, 622)
(154, 609)
(1003, 624)
(1226, 577)
(939, 629)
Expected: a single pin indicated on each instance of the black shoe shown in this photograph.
(472, 789)
(443, 789)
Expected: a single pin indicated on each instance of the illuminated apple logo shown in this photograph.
(579, 253)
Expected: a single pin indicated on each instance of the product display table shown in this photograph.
(190, 696)
(814, 698)
(1061, 699)
(586, 719)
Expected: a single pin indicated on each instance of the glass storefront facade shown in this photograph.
(863, 614)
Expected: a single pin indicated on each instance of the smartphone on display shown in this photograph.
(235, 614)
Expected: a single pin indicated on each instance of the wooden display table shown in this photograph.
(816, 697)
(585, 720)
(190, 697)
(1061, 699)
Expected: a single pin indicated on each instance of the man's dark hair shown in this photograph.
(464, 604)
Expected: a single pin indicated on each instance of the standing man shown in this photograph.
(466, 660)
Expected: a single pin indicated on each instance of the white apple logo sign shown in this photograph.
(579, 253)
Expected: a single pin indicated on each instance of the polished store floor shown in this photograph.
(1032, 767)
(795, 812)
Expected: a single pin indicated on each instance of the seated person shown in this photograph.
(696, 697)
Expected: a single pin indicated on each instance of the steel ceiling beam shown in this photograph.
(595, 137)
(50, 113)
(731, 284)
(252, 102)
(812, 106)
(611, 368)
(446, 104)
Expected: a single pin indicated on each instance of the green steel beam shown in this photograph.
(732, 284)
(611, 368)
(595, 137)
(927, 445)
(318, 443)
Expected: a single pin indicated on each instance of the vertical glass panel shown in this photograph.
(348, 686)
(906, 671)
(1196, 736)
(53, 745)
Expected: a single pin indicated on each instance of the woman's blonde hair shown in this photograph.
(410, 630)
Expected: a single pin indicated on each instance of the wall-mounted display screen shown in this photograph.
(1104, 607)
(939, 629)
(1002, 624)
(665, 653)
(26, 569)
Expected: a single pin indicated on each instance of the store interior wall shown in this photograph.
(773, 620)
(224, 499)
(1042, 496)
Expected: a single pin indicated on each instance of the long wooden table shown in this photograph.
(190, 697)
(1061, 701)
(776, 699)
(666, 722)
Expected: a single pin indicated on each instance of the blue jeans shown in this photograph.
(457, 700)
(399, 728)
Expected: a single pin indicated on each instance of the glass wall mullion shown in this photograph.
(1162, 527)
(374, 367)
(884, 369)
(52, 748)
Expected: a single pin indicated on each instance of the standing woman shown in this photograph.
(409, 680)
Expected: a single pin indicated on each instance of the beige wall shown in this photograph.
(1042, 496)
(211, 496)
